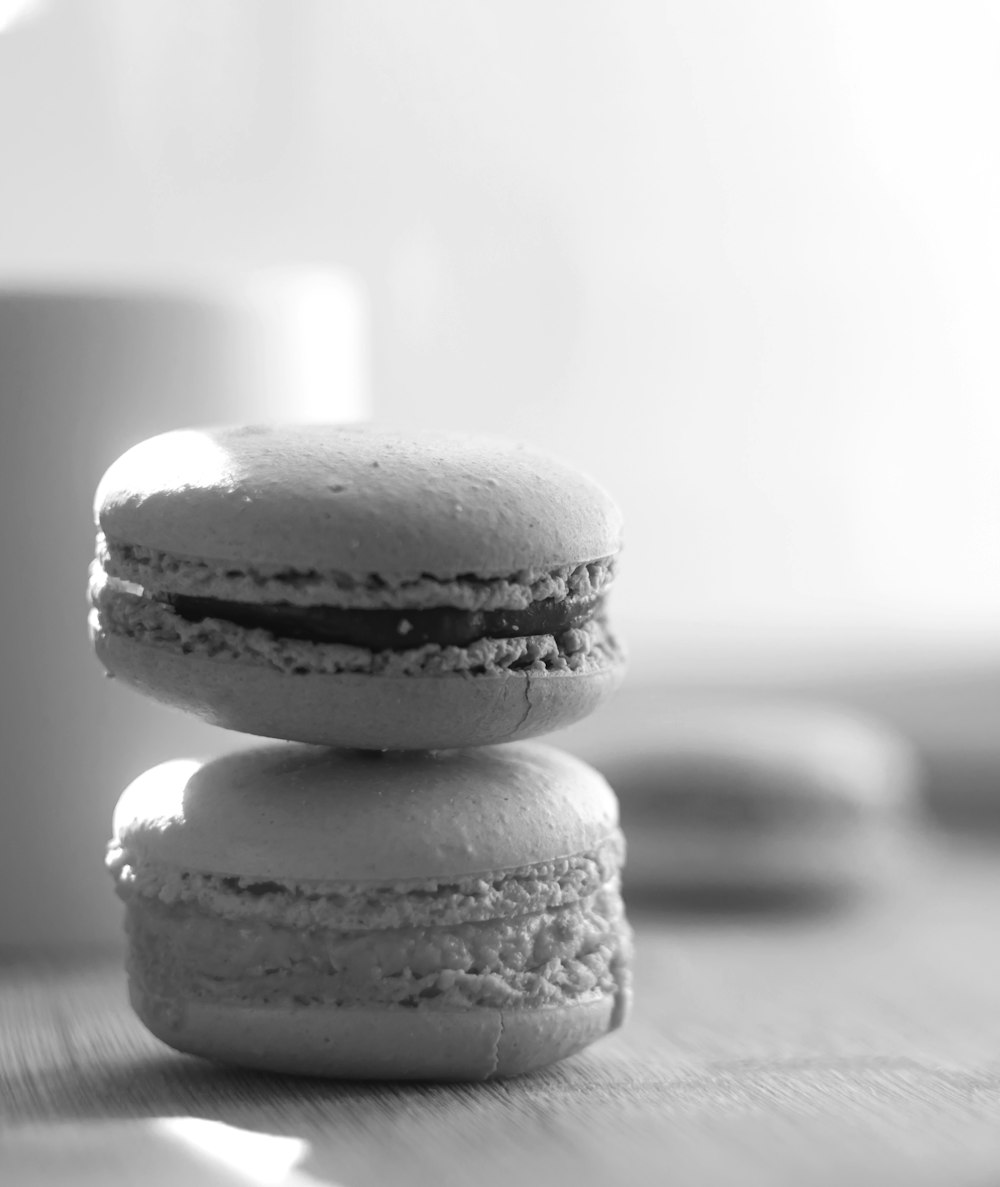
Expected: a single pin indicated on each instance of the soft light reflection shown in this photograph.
(262, 1158)
(13, 12)
(316, 348)
(159, 791)
(186, 457)
(154, 1152)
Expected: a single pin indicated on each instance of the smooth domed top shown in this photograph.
(294, 812)
(356, 499)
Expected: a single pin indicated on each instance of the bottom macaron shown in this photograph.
(445, 915)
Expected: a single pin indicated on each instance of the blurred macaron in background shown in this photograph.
(735, 801)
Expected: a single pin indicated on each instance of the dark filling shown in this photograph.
(392, 630)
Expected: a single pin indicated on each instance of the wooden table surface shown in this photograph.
(856, 1045)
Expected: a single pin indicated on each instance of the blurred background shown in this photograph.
(739, 261)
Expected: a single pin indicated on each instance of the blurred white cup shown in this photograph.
(88, 368)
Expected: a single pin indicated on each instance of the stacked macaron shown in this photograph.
(386, 892)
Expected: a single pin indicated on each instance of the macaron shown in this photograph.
(754, 800)
(440, 915)
(354, 587)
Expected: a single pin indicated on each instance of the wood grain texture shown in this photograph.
(799, 1047)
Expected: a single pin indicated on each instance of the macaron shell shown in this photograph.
(299, 813)
(361, 500)
(375, 1044)
(349, 710)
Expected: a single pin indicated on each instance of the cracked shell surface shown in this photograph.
(308, 512)
(367, 711)
(373, 1044)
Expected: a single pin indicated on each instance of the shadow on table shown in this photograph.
(172, 1084)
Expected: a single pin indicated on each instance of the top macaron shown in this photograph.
(357, 587)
